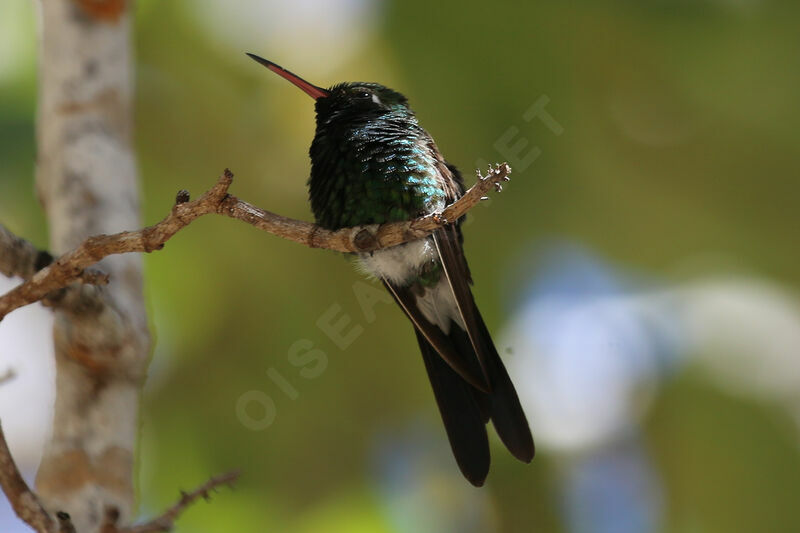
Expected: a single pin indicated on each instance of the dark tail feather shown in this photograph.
(502, 404)
(461, 415)
(462, 344)
(507, 414)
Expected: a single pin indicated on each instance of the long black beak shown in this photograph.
(311, 90)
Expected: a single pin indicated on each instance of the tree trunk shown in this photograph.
(87, 182)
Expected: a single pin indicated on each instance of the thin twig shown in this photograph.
(72, 265)
(166, 521)
(22, 498)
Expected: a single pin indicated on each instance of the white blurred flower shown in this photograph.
(746, 333)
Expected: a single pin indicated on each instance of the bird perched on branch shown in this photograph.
(371, 163)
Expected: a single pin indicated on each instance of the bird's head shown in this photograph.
(344, 101)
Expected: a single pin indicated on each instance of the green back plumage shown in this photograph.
(371, 162)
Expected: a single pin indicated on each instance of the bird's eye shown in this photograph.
(362, 96)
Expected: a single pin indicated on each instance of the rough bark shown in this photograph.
(87, 183)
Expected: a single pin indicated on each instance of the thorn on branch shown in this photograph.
(182, 197)
(219, 192)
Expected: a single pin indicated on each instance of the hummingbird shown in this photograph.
(372, 163)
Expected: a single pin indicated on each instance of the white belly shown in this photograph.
(399, 263)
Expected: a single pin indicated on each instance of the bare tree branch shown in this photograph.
(25, 503)
(22, 259)
(72, 265)
(166, 521)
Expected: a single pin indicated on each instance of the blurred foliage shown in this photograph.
(680, 138)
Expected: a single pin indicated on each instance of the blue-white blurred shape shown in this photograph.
(589, 345)
(615, 489)
(420, 487)
(584, 354)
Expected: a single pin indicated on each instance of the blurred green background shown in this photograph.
(678, 155)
